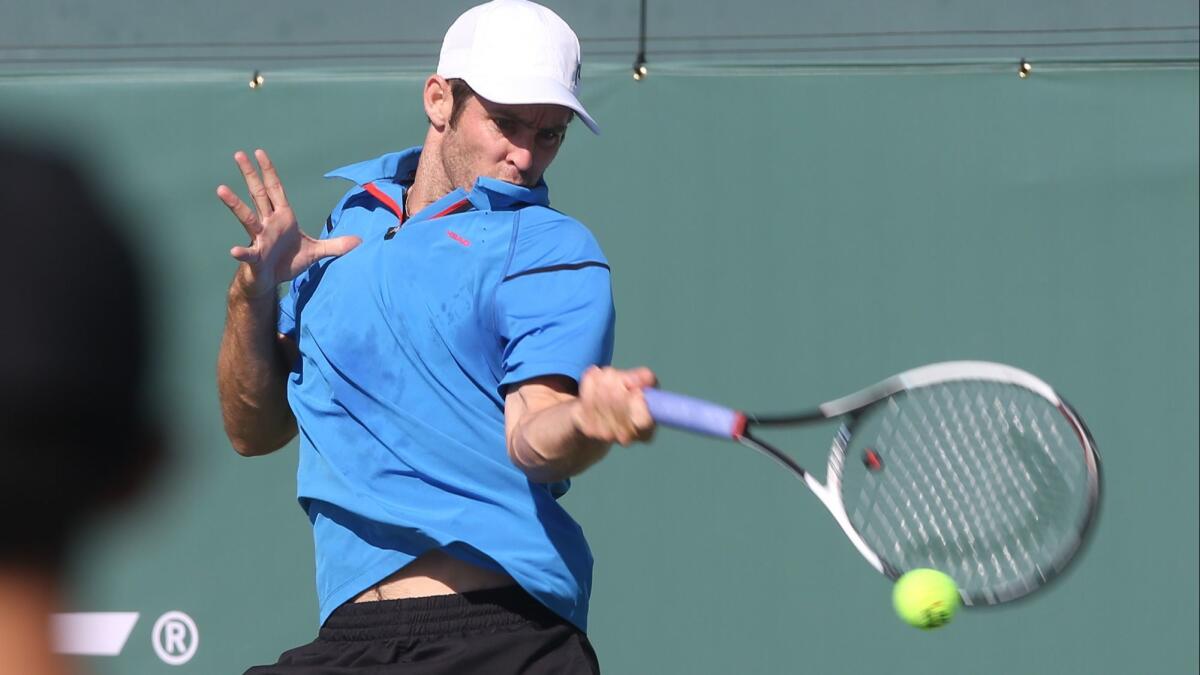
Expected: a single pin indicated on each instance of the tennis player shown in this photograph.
(444, 347)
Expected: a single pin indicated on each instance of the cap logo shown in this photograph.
(578, 72)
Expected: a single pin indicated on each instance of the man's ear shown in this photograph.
(439, 101)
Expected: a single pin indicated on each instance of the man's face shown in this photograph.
(513, 143)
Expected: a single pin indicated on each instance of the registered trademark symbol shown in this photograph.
(175, 638)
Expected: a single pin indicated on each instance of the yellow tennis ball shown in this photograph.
(925, 598)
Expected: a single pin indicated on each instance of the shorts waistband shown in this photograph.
(485, 611)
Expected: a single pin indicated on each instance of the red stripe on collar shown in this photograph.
(460, 205)
(387, 200)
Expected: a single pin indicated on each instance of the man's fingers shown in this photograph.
(641, 424)
(639, 413)
(336, 246)
(271, 180)
(254, 184)
(243, 213)
(640, 378)
(640, 417)
(588, 378)
(243, 254)
(615, 407)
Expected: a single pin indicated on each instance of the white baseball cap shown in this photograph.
(515, 52)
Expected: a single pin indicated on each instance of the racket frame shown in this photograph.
(854, 405)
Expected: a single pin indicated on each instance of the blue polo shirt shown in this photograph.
(407, 345)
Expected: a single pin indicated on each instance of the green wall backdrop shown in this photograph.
(778, 237)
(279, 34)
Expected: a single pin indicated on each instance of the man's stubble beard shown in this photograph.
(457, 166)
(454, 165)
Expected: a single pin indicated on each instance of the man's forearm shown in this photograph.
(548, 445)
(252, 374)
(556, 429)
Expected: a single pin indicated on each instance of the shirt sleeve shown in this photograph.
(554, 304)
(286, 325)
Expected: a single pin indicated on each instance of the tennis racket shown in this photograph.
(975, 469)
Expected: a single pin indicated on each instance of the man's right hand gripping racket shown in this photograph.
(975, 469)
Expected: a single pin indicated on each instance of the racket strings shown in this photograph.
(922, 447)
(1012, 501)
(982, 480)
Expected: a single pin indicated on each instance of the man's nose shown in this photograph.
(520, 157)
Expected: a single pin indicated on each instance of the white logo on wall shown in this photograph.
(92, 633)
(175, 638)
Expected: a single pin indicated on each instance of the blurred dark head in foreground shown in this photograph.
(74, 438)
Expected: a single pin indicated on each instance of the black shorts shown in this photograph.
(499, 632)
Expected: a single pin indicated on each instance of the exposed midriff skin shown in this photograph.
(434, 573)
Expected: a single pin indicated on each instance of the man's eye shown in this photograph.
(506, 125)
(550, 136)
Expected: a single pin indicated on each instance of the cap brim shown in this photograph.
(529, 91)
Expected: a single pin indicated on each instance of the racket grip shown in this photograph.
(693, 414)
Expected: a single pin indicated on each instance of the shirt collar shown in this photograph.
(397, 167)
(493, 194)
(488, 194)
